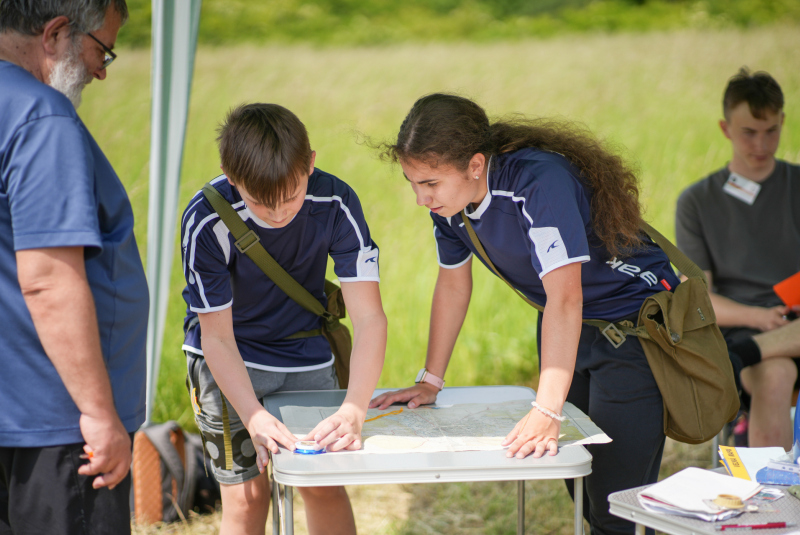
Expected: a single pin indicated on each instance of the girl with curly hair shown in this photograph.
(558, 216)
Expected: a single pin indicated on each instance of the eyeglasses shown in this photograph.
(109, 57)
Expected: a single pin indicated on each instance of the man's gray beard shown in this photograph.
(70, 76)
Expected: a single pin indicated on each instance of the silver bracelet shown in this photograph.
(548, 412)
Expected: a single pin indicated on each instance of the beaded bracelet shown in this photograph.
(548, 412)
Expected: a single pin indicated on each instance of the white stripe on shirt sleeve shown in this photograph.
(191, 257)
(438, 258)
(221, 231)
(211, 309)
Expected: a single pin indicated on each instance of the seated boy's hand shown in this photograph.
(267, 432)
(340, 431)
(419, 394)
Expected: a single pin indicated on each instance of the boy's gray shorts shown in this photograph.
(207, 403)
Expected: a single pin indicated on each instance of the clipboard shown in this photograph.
(789, 290)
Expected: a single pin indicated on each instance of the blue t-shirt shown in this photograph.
(331, 222)
(57, 189)
(536, 218)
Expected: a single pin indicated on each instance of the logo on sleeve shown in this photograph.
(548, 239)
(368, 263)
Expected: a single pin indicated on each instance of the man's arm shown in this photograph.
(343, 429)
(226, 365)
(59, 299)
(733, 314)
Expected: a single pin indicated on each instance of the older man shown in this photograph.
(74, 297)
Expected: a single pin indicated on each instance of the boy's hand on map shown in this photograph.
(340, 431)
(536, 433)
(267, 432)
(419, 394)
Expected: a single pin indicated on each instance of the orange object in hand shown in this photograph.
(789, 290)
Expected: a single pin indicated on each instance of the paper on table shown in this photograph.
(659, 507)
(688, 488)
(754, 459)
(434, 428)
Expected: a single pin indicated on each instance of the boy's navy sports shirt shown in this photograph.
(331, 222)
(536, 218)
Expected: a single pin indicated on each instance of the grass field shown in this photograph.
(655, 96)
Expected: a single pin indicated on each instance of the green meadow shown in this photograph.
(654, 97)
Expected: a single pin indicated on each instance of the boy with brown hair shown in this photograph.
(239, 324)
(740, 226)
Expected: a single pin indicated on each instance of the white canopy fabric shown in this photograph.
(175, 26)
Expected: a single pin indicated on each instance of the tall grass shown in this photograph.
(656, 97)
(371, 22)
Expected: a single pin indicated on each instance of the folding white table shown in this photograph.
(292, 470)
(625, 504)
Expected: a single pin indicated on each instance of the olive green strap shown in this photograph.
(675, 255)
(247, 242)
(615, 332)
(304, 334)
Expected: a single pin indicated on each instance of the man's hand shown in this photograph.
(267, 432)
(767, 319)
(419, 394)
(340, 431)
(109, 447)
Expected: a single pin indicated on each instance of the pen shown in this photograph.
(770, 525)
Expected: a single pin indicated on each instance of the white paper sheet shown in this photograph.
(689, 488)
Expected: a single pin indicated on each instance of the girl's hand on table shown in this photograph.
(419, 394)
(536, 434)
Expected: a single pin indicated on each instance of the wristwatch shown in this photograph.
(424, 376)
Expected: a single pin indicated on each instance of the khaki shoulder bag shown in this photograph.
(683, 346)
(247, 242)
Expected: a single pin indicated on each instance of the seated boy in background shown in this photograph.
(238, 349)
(741, 225)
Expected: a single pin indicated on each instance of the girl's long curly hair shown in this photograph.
(446, 129)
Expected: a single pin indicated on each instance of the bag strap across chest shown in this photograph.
(614, 332)
(247, 242)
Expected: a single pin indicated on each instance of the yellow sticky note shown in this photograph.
(734, 463)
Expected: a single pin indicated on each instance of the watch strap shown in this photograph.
(428, 377)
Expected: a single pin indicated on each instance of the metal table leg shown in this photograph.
(288, 508)
(520, 507)
(276, 496)
(578, 492)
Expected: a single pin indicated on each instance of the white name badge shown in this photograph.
(742, 188)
